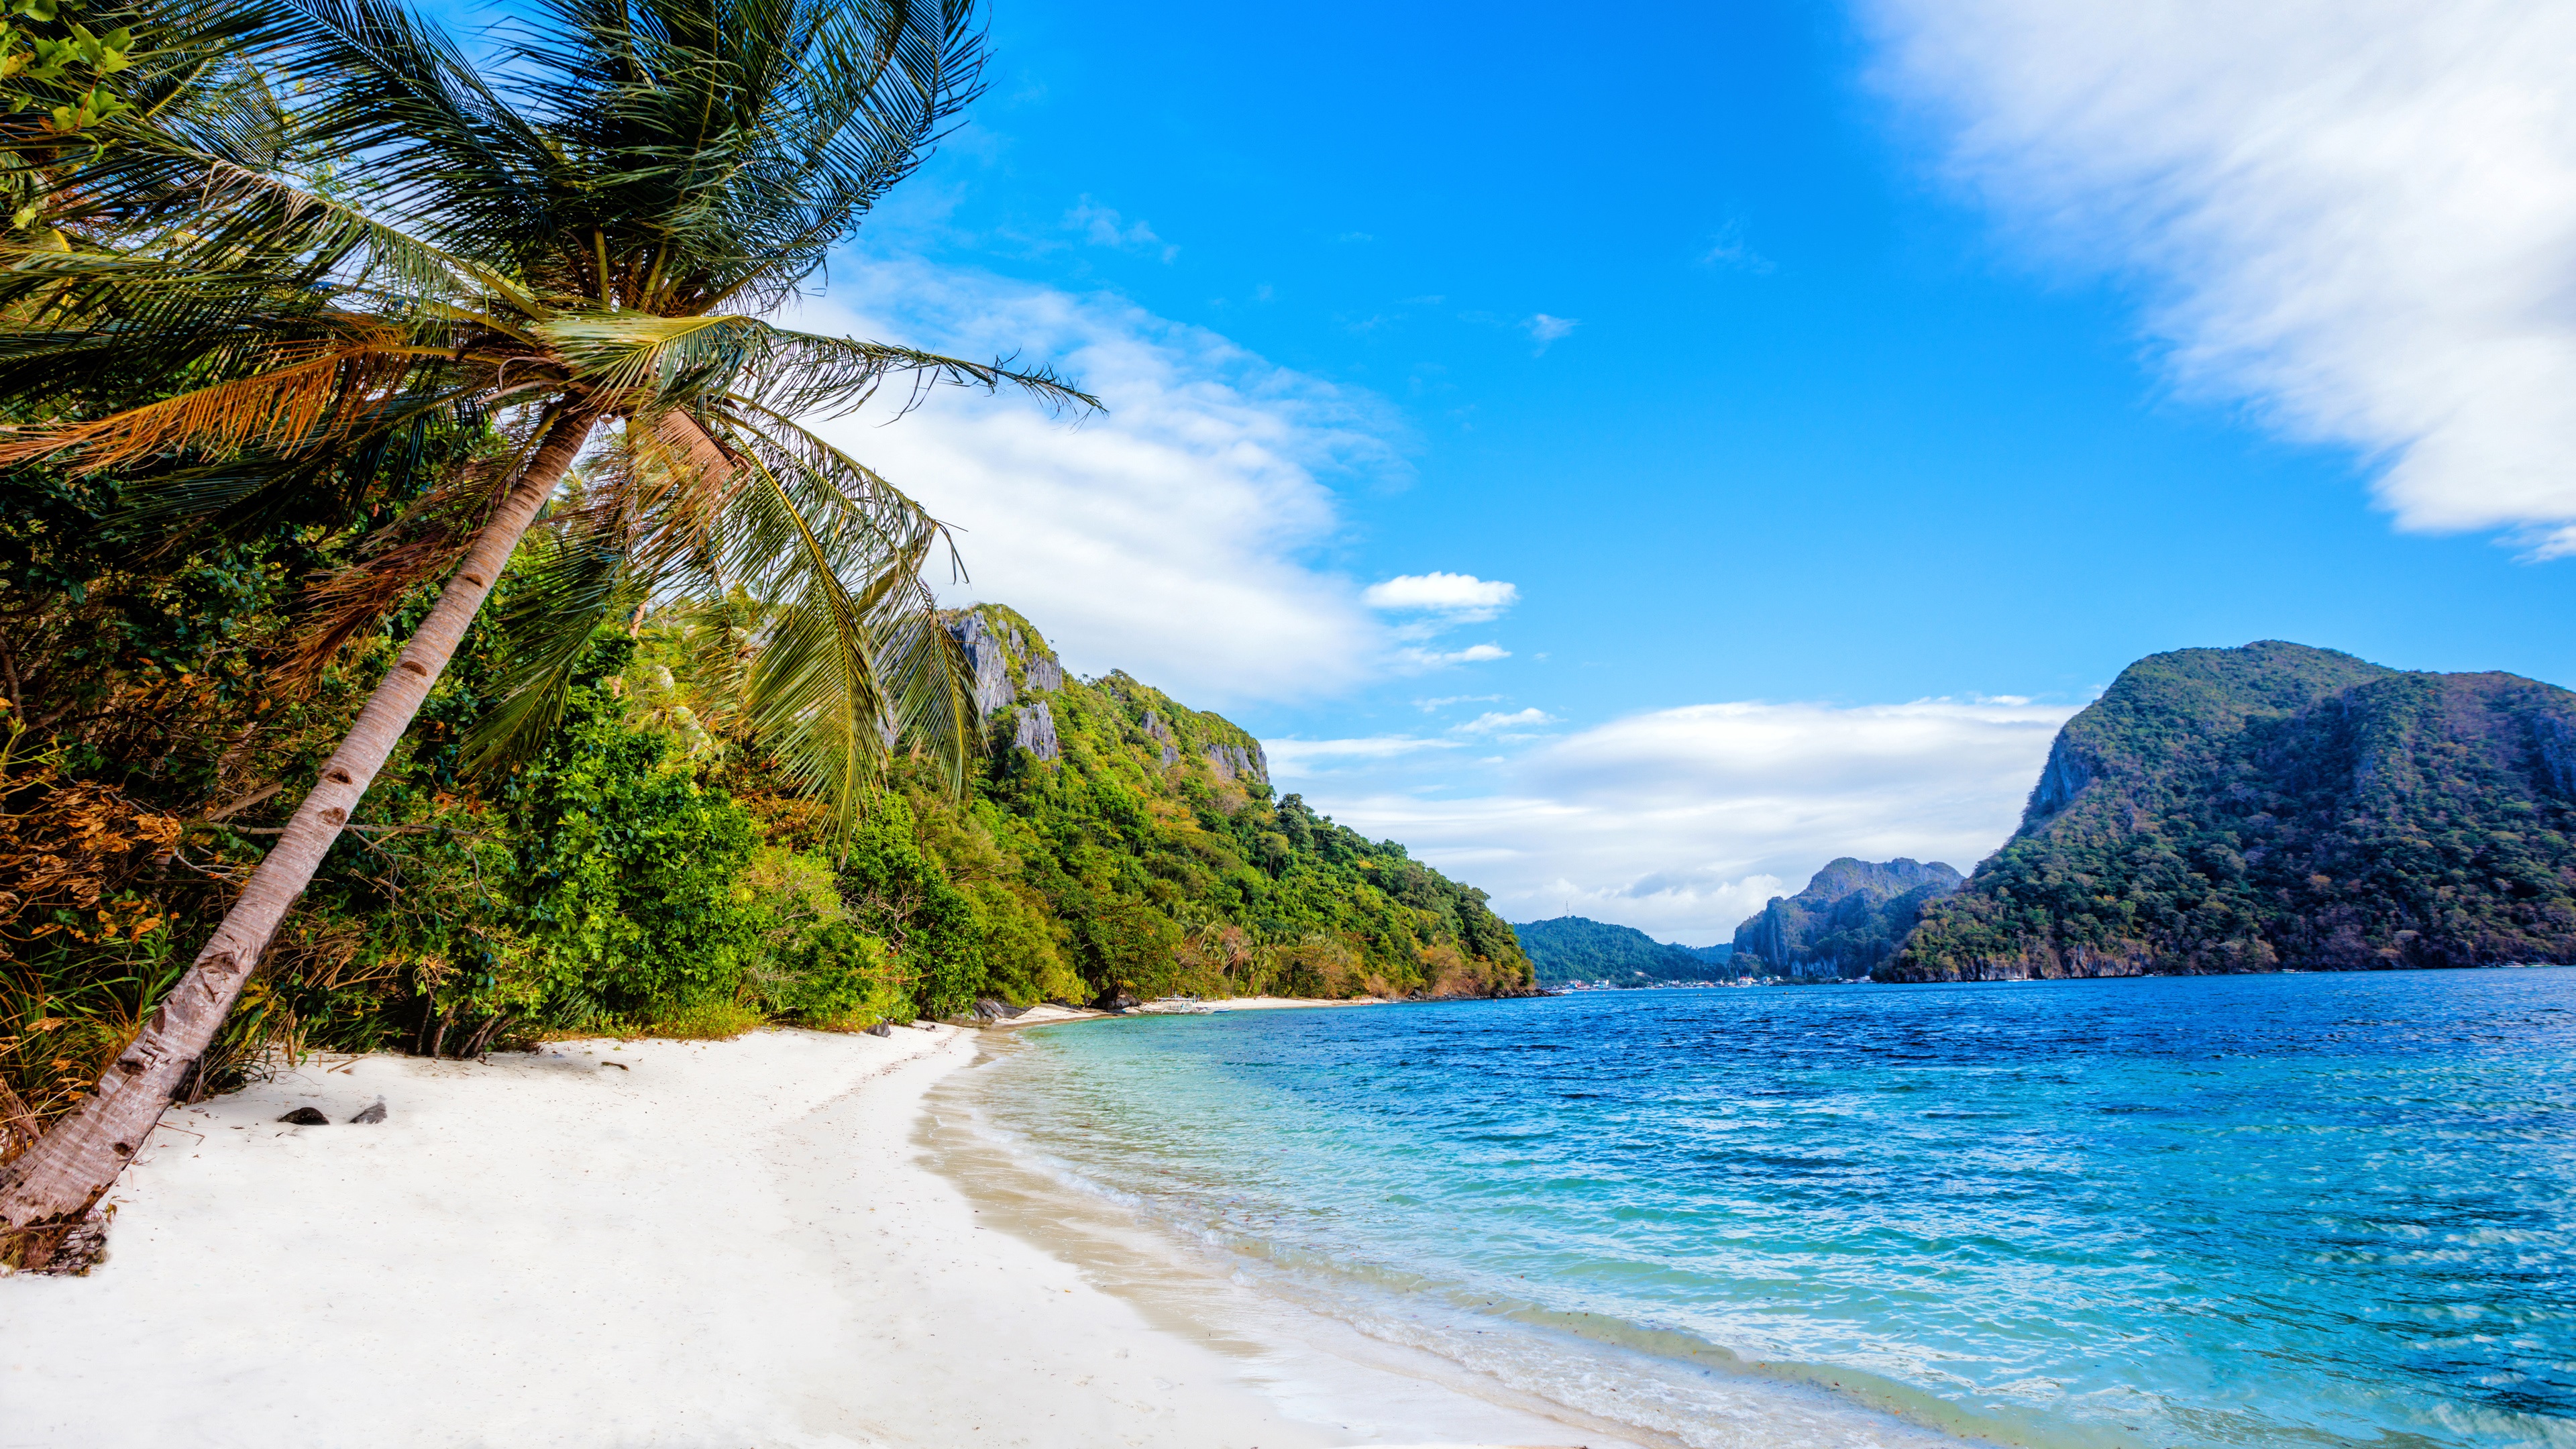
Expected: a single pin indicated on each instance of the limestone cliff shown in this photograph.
(1849, 919)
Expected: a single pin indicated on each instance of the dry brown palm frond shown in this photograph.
(683, 479)
(420, 548)
(694, 449)
(285, 409)
(19, 1128)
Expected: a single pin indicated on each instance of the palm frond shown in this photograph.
(850, 660)
(856, 663)
(569, 578)
(441, 146)
(421, 547)
(663, 361)
(745, 136)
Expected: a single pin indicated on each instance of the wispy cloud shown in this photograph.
(1728, 248)
(2358, 215)
(1436, 658)
(1103, 227)
(1546, 330)
(1683, 821)
(1514, 726)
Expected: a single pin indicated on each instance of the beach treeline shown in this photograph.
(426, 624)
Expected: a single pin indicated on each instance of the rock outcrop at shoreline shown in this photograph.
(2279, 806)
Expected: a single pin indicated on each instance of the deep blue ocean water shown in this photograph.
(2298, 1209)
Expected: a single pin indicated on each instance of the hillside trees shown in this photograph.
(2278, 806)
(572, 256)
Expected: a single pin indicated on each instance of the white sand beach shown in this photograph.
(1047, 1013)
(649, 1244)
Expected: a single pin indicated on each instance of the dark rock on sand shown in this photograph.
(370, 1116)
(306, 1117)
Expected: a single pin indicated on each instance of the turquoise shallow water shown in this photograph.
(2307, 1209)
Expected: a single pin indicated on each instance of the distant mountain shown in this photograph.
(2280, 806)
(1573, 948)
(1847, 921)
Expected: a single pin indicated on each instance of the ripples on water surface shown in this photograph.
(2312, 1210)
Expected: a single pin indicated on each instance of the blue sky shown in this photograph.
(1821, 430)
(1844, 393)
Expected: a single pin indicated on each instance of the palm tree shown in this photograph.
(569, 255)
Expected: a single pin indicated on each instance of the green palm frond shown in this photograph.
(572, 576)
(850, 660)
(324, 272)
(784, 372)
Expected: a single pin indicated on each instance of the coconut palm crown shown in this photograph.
(375, 243)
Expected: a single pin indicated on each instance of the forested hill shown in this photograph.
(1145, 839)
(2280, 806)
(1575, 948)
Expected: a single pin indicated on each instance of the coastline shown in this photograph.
(1048, 1013)
(1341, 1334)
(642, 1243)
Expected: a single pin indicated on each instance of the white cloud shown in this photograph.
(2358, 214)
(1494, 722)
(1103, 227)
(1169, 538)
(1683, 821)
(1545, 329)
(1436, 658)
(1306, 759)
(1462, 598)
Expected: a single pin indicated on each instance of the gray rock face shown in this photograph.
(2070, 768)
(1042, 672)
(1237, 762)
(1848, 920)
(1034, 731)
(993, 691)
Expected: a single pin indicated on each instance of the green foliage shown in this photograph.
(1148, 857)
(1575, 948)
(2279, 806)
(623, 876)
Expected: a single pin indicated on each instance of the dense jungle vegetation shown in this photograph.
(703, 757)
(2279, 806)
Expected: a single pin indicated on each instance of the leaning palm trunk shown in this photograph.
(590, 239)
(64, 1173)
